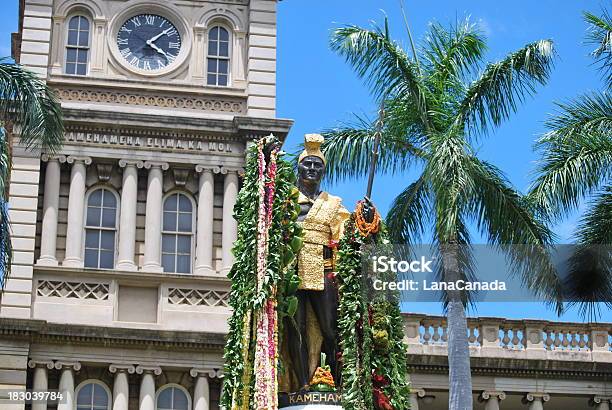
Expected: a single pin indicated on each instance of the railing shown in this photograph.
(529, 339)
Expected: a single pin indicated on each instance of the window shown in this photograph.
(92, 396)
(100, 229)
(172, 398)
(218, 56)
(177, 234)
(77, 46)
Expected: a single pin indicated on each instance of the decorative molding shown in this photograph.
(130, 162)
(72, 290)
(180, 176)
(74, 159)
(32, 364)
(104, 171)
(231, 170)
(156, 370)
(224, 105)
(198, 297)
(114, 368)
(59, 365)
(486, 395)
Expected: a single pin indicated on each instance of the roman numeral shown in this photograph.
(122, 41)
(146, 65)
(134, 61)
(172, 32)
(174, 45)
(125, 29)
(136, 22)
(160, 64)
(171, 58)
(150, 20)
(162, 23)
(125, 52)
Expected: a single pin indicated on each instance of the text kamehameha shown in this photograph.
(149, 142)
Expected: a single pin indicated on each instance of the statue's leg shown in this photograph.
(325, 306)
(298, 340)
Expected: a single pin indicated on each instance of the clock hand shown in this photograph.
(166, 31)
(159, 50)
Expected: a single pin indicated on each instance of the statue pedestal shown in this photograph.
(310, 401)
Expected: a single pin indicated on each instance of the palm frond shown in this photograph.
(525, 239)
(600, 35)
(5, 241)
(493, 97)
(569, 170)
(29, 103)
(410, 213)
(348, 150)
(452, 53)
(589, 281)
(589, 113)
(385, 66)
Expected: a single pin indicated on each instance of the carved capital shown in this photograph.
(600, 399)
(32, 364)
(486, 395)
(418, 392)
(156, 164)
(75, 160)
(120, 368)
(156, 370)
(205, 372)
(210, 168)
(543, 397)
(130, 163)
(231, 170)
(64, 365)
(52, 158)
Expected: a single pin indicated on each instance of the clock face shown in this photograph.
(149, 42)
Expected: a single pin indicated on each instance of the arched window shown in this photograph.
(92, 395)
(77, 46)
(100, 229)
(218, 56)
(172, 398)
(177, 234)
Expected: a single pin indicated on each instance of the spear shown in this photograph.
(377, 135)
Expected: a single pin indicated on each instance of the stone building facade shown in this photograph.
(118, 293)
(122, 240)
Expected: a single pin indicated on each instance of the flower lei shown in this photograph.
(262, 279)
(371, 331)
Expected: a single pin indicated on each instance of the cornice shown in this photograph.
(39, 331)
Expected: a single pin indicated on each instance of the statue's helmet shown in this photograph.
(312, 147)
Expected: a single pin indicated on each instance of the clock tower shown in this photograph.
(118, 296)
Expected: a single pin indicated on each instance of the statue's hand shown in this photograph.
(369, 210)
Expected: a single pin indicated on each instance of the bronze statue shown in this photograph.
(322, 217)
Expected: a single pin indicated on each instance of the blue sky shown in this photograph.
(317, 89)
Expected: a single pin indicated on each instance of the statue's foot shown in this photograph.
(304, 389)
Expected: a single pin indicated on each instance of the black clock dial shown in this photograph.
(149, 42)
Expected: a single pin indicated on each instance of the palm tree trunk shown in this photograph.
(459, 374)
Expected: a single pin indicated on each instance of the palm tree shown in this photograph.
(439, 102)
(31, 108)
(576, 164)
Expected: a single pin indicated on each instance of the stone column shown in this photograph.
(204, 238)
(230, 226)
(201, 393)
(601, 403)
(127, 223)
(40, 380)
(147, 386)
(536, 400)
(66, 383)
(492, 399)
(153, 217)
(48, 241)
(121, 387)
(76, 210)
